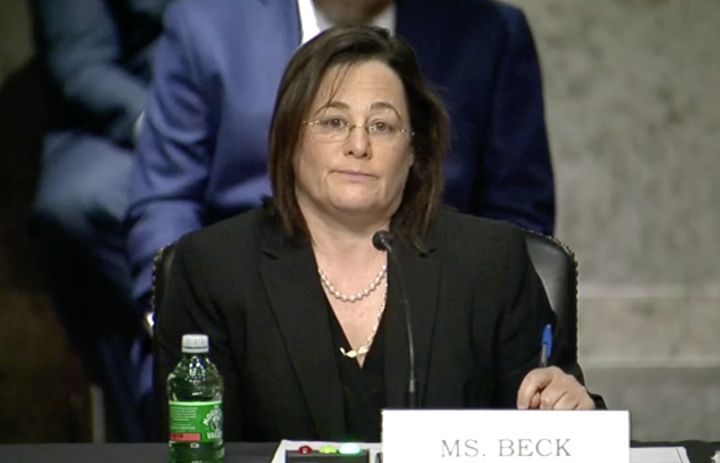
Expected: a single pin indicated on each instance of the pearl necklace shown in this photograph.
(353, 297)
(365, 348)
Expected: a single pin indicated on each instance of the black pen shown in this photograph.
(546, 346)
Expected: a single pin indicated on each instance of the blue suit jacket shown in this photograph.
(202, 153)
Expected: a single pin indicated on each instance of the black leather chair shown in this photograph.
(557, 267)
(161, 274)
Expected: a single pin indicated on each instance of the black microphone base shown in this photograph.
(411, 401)
(412, 395)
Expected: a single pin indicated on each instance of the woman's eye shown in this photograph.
(334, 123)
(381, 127)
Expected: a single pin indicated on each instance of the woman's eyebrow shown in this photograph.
(378, 105)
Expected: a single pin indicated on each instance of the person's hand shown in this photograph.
(552, 389)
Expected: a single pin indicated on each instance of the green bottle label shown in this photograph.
(196, 421)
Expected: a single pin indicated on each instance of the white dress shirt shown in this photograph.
(313, 22)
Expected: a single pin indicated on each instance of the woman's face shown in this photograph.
(355, 154)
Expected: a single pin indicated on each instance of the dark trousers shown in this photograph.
(77, 218)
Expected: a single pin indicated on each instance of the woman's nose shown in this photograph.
(358, 141)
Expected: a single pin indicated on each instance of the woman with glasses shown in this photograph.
(304, 311)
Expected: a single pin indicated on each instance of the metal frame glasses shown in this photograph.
(335, 129)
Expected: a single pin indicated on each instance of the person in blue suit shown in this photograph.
(96, 56)
(201, 154)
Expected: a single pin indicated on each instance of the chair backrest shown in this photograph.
(557, 267)
(161, 274)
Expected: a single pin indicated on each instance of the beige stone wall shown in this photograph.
(633, 95)
(633, 104)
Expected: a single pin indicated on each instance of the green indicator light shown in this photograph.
(327, 449)
(349, 449)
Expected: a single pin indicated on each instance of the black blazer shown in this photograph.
(478, 311)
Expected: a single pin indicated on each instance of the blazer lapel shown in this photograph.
(297, 300)
(421, 274)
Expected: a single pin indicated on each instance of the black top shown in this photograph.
(362, 386)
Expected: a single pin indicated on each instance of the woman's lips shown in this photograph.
(355, 174)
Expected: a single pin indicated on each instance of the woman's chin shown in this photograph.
(357, 208)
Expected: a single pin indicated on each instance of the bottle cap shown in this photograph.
(195, 344)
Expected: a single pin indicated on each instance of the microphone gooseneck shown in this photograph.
(383, 240)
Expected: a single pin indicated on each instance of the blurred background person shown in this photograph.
(95, 55)
(202, 153)
(299, 290)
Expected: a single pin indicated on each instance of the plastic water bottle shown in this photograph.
(195, 416)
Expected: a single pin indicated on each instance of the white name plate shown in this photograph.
(505, 436)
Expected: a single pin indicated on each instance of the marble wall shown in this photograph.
(633, 104)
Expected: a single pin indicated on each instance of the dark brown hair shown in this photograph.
(350, 45)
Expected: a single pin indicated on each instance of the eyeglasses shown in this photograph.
(336, 129)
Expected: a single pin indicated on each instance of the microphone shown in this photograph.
(383, 240)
